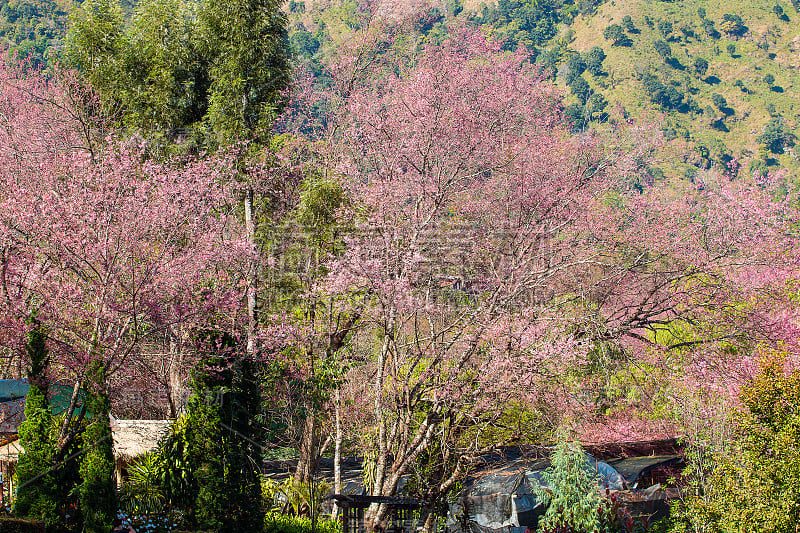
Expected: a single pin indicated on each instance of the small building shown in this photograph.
(500, 495)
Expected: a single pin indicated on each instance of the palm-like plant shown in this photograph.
(142, 493)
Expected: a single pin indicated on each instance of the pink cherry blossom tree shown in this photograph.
(498, 251)
(108, 248)
(478, 239)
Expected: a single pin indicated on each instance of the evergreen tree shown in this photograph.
(594, 60)
(95, 44)
(224, 66)
(576, 66)
(244, 453)
(700, 66)
(571, 492)
(580, 88)
(97, 495)
(167, 75)
(37, 495)
(248, 48)
(221, 442)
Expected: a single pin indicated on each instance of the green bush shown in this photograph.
(98, 499)
(207, 460)
(755, 485)
(278, 523)
(142, 493)
(37, 496)
(17, 525)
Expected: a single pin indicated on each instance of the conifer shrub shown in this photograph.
(571, 494)
(37, 493)
(97, 495)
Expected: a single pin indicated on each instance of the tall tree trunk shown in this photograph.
(337, 455)
(376, 513)
(252, 269)
(309, 450)
(175, 378)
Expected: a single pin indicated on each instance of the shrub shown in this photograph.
(210, 454)
(700, 66)
(627, 23)
(662, 49)
(580, 88)
(279, 523)
(594, 60)
(97, 495)
(37, 495)
(708, 27)
(142, 493)
(575, 67)
(616, 35)
(776, 136)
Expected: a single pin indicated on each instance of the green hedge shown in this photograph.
(18, 525)
(278, 523)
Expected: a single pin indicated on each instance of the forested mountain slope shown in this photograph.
(719, 77)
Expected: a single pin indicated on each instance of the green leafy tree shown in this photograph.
(733, 25)
(219, 69)
(95, 42)
(776, 136)
(668, 97)
(718, 100)
(576, 66)
(662, 49)
(665, 28)
(247, 46)
(769, 79)
(778, 10)
(731, 48)
(570, 490)
(580, 88)
(616, 35)
(166, 77)
(627, 23)
(708, 27)
(212, 455)
(755, 486)
(38, 493)
(700, 66)
(594, 60)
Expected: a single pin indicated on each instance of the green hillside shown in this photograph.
(753, 65)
